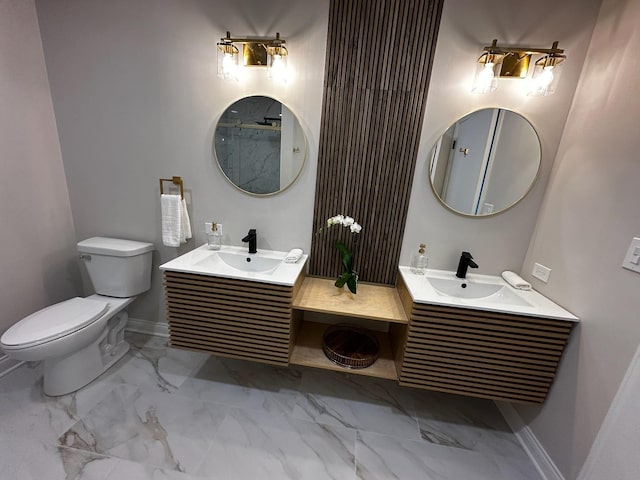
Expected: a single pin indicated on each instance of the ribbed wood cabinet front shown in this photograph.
(482, 354)
(231, 318)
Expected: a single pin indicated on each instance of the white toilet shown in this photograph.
(80, 338)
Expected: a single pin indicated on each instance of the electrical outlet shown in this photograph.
(632, 258)
(541, 272)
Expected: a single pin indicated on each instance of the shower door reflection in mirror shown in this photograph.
(485, 162)
(259, 145)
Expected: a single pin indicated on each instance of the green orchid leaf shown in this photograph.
(342, 279)
(345, 255)
(352, 283)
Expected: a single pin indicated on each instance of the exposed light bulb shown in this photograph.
(278, 69)
(485, 79)
(542, 83)
(227, 61)
(228, 66)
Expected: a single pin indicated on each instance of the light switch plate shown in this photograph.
(541, 272)
(632, 258)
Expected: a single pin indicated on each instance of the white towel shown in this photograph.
(171, 219)
(515, 280)
(185, 224)
(293, 256)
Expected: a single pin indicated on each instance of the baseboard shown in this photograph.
(530, 443)
(148, 328)
(8, 365)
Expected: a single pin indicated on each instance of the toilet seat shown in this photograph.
(53, 322)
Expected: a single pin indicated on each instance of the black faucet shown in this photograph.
(252, 238)
(466, 261)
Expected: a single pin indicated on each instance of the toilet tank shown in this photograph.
(116, 267)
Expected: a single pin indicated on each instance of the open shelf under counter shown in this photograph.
(372, 302)
(307, 351)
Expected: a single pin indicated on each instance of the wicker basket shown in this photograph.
(350, 346)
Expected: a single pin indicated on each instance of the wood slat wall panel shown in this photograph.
(516, 396)
(504, 364)
(239, 331)
(248, 320)
(379, 57)
(486, 354)
(216, 290)
(495, 318)
(205, 300)
(262, 325)
(488, 373)
(496, 353)
(227, 310)
(226, 351)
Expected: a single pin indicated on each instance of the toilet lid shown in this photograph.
(54, 321)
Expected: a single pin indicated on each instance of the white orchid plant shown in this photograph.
(349, 277)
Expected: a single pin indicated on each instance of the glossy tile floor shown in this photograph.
(163, 413)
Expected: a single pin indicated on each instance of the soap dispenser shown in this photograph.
(214, 235)
(419, 262)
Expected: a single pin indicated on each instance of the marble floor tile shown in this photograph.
(26, 411)
(244, 384)
(356, 402)
(27, 459)
(380, 457)
(255, 444)
(467, 423)
(167, 431)
(127, 470)
(161, 369)
(167, 414)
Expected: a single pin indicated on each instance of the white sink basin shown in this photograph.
(246, 262)
(477, 291)
(462, 288)
(474, 288)
(235, 262)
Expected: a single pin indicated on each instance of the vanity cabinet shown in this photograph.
(453, 349)
(480, 353)
(230, 317)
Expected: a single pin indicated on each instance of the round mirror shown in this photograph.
(260, 145)
(485, 163)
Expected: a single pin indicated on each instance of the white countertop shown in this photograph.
(538, 305)
(203, 261)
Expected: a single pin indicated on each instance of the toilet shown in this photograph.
(80, 338)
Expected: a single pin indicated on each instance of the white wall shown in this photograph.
(589, 216)
(499, 242)
(615, 451)
(37, 260)
(137, 98)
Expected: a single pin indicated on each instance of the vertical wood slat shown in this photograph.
(379, 57)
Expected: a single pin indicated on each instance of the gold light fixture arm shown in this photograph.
(266, 41)
(494, 48)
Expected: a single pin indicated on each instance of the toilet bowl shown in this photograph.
(80, 338)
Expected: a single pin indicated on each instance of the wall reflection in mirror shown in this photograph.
(259, 145)
(486, 162)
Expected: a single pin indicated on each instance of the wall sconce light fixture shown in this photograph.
(267, 52)
(513, 62)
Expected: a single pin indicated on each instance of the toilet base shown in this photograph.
(68, 374)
